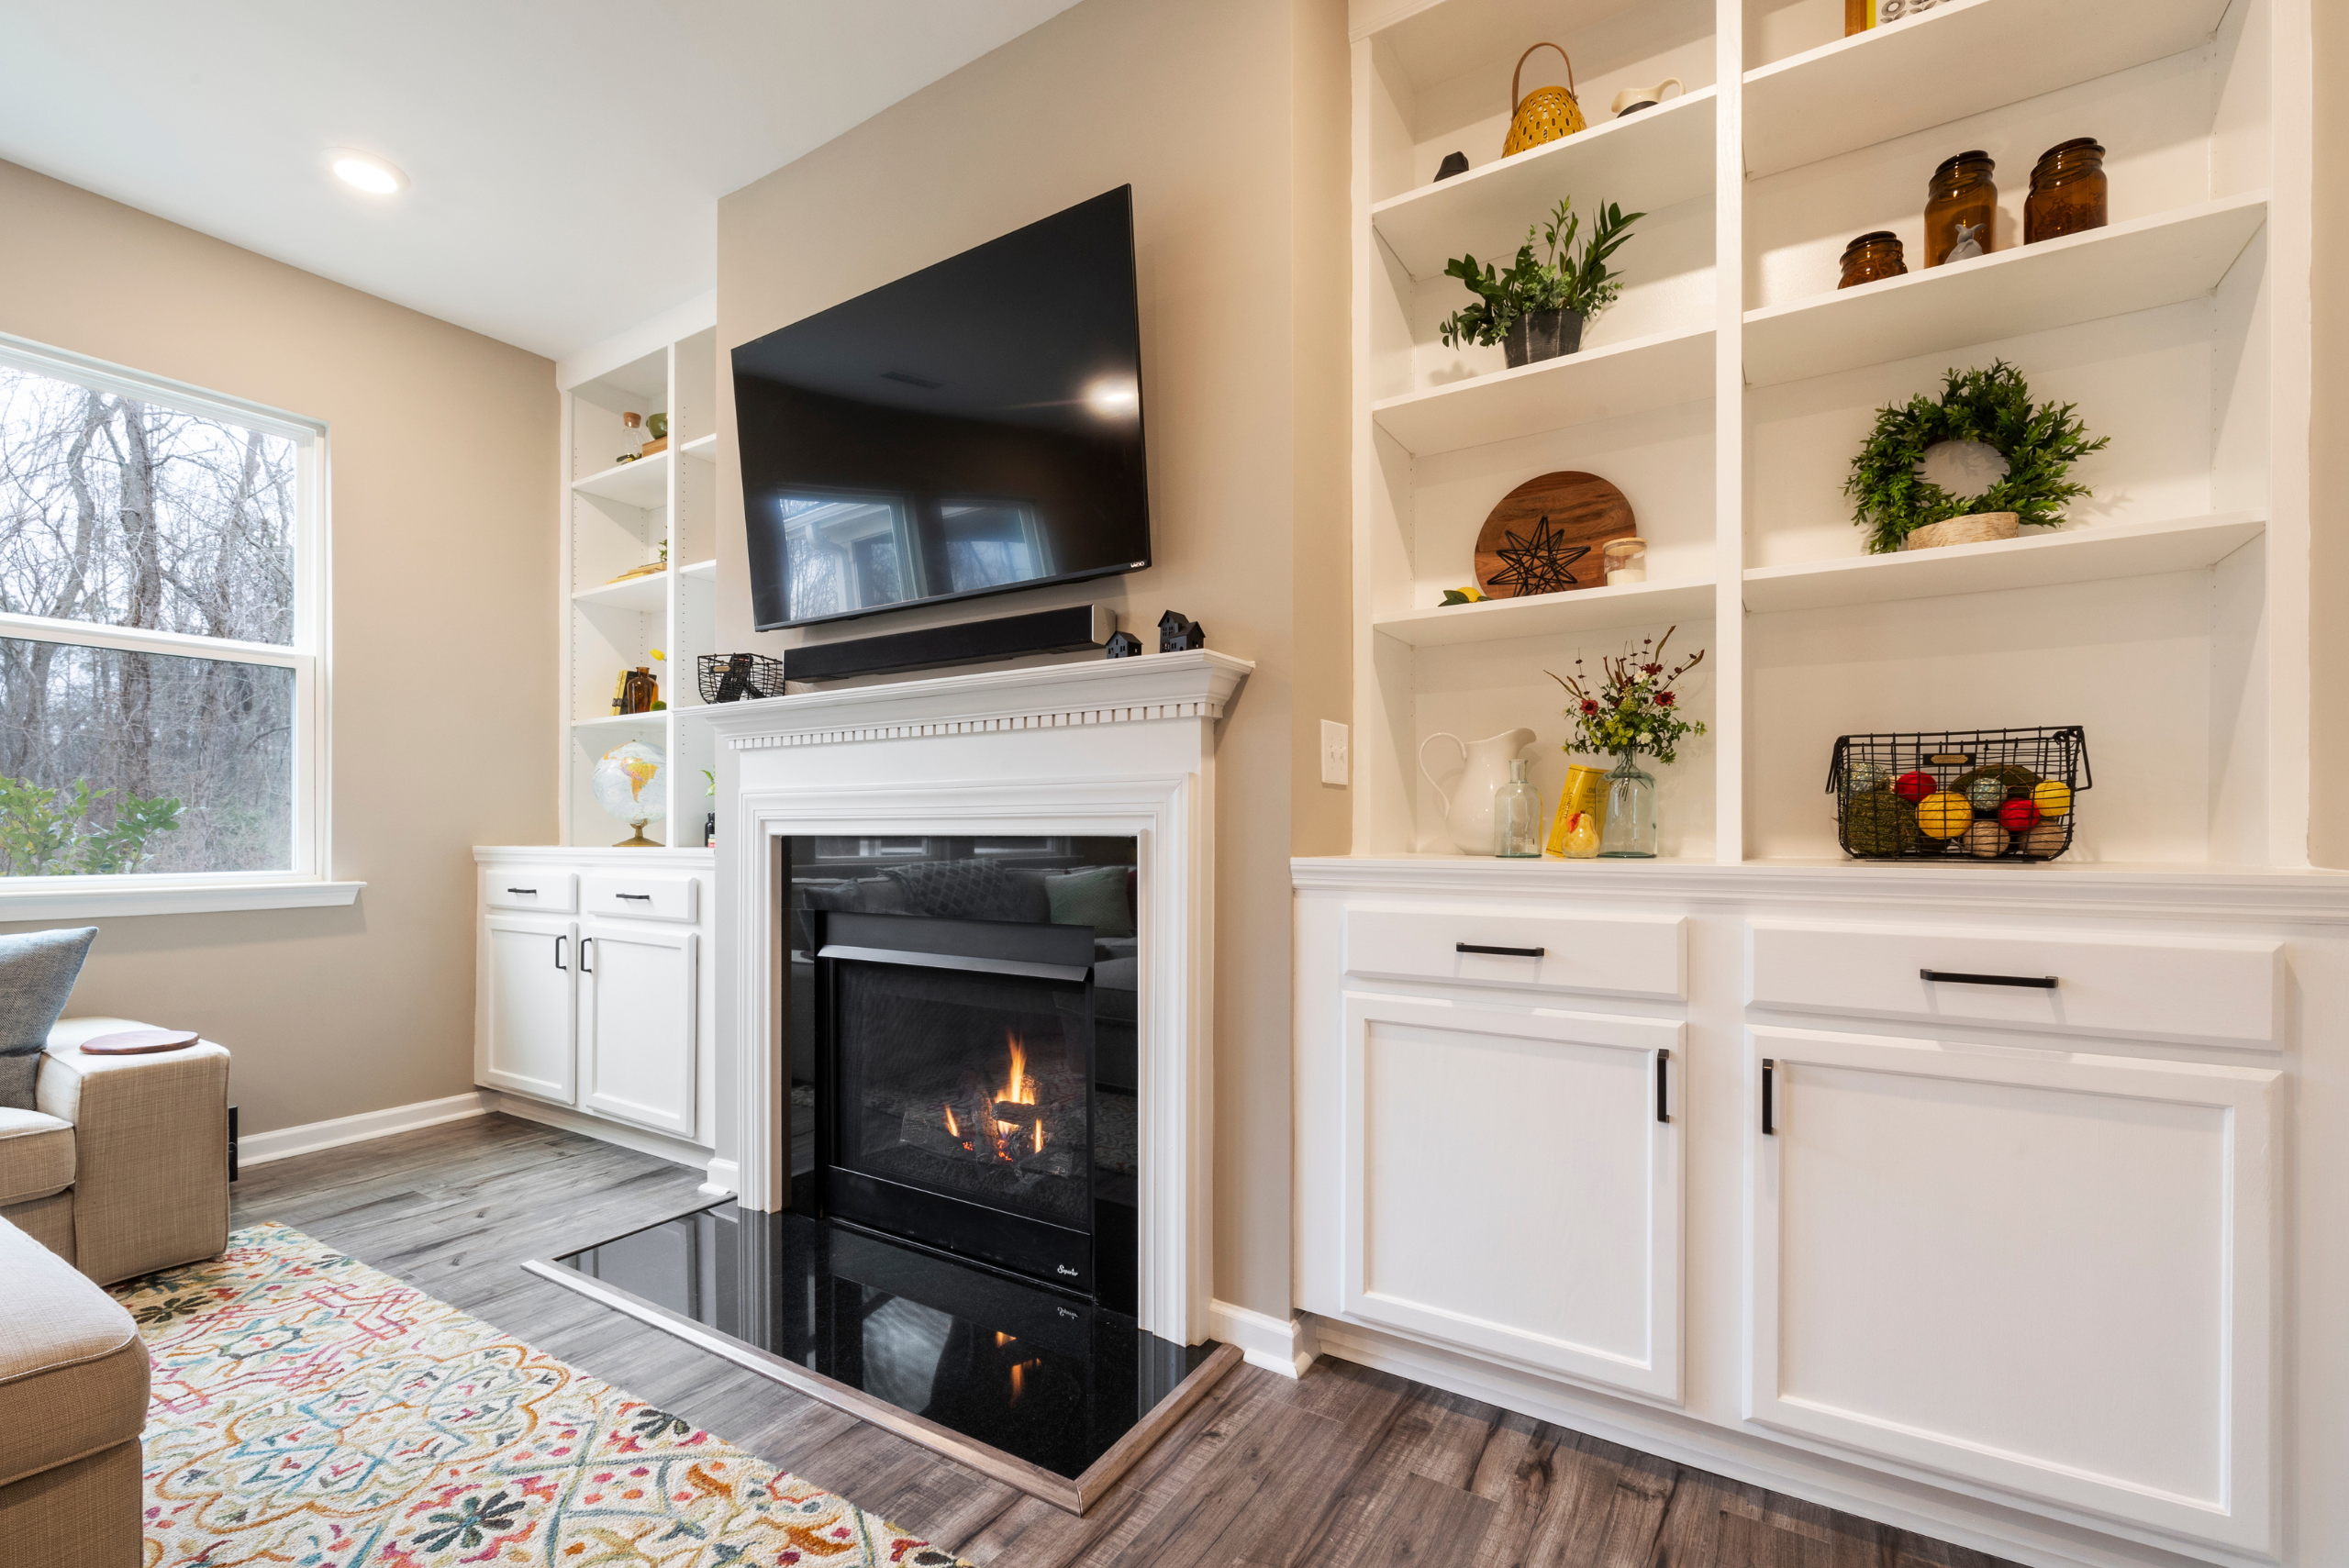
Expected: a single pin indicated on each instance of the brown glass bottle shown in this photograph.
(1961, 212)
(643, 691)
(2067, 192)
(1873, 256)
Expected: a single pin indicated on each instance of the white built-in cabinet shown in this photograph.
(595, 990)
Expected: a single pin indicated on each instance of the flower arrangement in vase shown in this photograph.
(1633, 709)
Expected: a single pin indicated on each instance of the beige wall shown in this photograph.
(1229, 119)
(2329, 453)
(444, 447)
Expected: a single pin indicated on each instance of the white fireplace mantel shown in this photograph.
(1111, 748)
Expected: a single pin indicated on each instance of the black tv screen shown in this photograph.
(973, 428)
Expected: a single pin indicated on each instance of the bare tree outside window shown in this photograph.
(124, 514)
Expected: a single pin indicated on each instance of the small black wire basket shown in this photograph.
(1960, 794)
(737, 677)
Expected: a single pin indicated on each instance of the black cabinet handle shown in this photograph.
(2036, 982)
(1504, 953)
(531, 891)
(584, 943)
(645, 898)
(558, 950)
(1769, 1125)
(1663, 1094)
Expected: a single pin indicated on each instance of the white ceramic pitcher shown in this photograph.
(1468, 804)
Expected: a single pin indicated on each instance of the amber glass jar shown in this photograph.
(1873, 256)
(1962, 209)
(2067, 192)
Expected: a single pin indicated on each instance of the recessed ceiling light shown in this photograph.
(367, 172)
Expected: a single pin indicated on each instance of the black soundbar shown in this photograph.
(1008, 637)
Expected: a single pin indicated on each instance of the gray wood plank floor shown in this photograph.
(1345, 1468)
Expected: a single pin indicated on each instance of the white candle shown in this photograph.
(1623, 574)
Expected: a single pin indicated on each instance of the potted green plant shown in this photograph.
(1537, 309)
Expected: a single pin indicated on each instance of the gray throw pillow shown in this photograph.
(37, 975)
(1094, 896)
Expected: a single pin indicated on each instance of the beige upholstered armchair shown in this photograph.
(122, 1170)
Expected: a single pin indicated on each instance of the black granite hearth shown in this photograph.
(1047, 1378)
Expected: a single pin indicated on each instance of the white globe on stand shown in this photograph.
(632, 784)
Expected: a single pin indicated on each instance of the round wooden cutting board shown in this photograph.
(1545, 535)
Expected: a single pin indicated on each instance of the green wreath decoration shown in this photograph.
(1993, 406)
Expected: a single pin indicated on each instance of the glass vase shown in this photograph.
(1517, 817)
(1631, 829)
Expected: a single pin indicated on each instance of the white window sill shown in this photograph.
(92, 897)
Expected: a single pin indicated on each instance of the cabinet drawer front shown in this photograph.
(2198, 989)
(1512, 1188)
(2045, 1271)
(642, 898)
(530, 887)
(1616, 955)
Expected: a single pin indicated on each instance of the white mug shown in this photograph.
(1631, 98)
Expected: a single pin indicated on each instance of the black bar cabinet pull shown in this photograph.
(584, 943)
(1768, 1125)
(1663, 1094)
(645, 898)
(1505, 952)
(531, 891)
(2036, 982)
(558, 950)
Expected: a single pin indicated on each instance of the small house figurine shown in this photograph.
(1123, 645)
(1178, 633)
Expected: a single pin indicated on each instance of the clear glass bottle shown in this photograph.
(1873, 256)
(1962, 210)
(1631, 830)
(1517, 817)
(2067, 192)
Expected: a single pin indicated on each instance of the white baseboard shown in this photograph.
(724, 1179)
(285, 1142)
(659, 1145)
(1975, 1523)
(1286, 1347)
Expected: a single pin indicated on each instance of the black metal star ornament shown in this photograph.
(1539, 564)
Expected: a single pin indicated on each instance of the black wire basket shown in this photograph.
(737, 677)
(1960, 794)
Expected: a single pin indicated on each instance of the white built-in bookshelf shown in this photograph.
(1728, 390)
(616, 515)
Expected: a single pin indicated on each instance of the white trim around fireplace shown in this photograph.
(1116, 749)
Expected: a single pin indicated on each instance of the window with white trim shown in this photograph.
(161, 618)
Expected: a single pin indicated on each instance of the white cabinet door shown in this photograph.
(530, 1018)
(636, 1037)
(1511, 1188)
(2047, 1272)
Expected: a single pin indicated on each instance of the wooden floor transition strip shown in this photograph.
(1074, 1496)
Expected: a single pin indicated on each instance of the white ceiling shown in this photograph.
(567, 155)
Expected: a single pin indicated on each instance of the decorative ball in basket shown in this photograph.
(737, 677)
(1960, 794)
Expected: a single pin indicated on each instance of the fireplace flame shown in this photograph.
(1017, 1089)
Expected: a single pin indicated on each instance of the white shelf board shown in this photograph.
(2152, 261)
(700, 570)
(644, 483)
(646, 593)
(1645, 163)
(703, 448)
(1960, 58)
(1549, 615)
(2070, 555)
(620, 720)
(1630, 377)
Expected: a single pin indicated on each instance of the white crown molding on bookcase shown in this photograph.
(1190, 685)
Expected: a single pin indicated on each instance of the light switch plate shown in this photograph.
(1333, 752)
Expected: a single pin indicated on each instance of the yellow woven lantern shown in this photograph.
(1944, 816)
(1546, 113)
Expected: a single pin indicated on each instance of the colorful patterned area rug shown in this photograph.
(310, 1411)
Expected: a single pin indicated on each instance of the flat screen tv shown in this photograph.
(973, 428)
